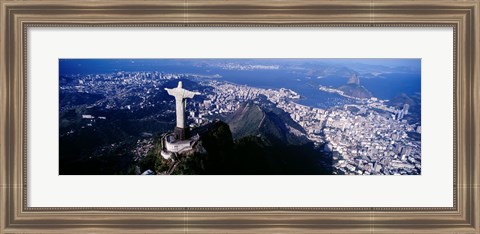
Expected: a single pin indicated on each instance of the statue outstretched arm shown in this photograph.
(169, 91)
(189, 94)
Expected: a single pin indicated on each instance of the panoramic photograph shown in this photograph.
(266, 116)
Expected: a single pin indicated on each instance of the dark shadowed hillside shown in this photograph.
(262, 119)
(218, 154)
(66, 99)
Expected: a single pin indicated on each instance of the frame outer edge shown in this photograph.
(3, 111)
(476, 106)
(5, 186)
(7, 86)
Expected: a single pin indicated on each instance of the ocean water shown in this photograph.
(385, 86)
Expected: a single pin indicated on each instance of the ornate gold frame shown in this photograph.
(17, 16)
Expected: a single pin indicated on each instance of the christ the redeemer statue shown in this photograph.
(180, 95)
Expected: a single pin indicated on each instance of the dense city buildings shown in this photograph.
(365, 142)
(366, 136)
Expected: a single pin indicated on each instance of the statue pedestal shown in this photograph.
(180, 133)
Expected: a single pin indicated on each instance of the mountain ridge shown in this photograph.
(354, 89)
(262, 119)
